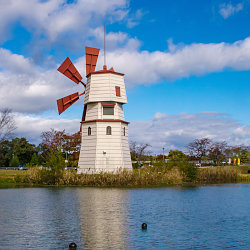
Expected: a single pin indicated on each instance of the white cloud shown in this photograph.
(176, 131)
(25, 87)
(227, 10)
(55, 18)
(159, 115)
(15, 63)
(144, 67)
(31, 127)
(168, 131)
(134, 19)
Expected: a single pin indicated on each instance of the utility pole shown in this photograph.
(163, 154)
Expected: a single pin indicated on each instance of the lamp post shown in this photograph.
(163, 154)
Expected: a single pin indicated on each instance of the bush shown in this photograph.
(188, 170)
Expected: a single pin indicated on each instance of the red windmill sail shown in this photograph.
(91, 59)
(66, 102)
(68, 69)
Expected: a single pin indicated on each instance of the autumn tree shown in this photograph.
(72, 143)
(199, 148)
(217, 152)
(7, 124)
(72, 147)
(68, 145)
(53, 139)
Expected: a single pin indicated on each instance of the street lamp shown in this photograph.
(163, 154)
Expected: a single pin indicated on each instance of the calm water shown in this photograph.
(210, 217)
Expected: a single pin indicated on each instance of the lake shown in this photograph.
(204, 217)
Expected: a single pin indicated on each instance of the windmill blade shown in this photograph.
(91, 59)
(68, 69)
(66, 102)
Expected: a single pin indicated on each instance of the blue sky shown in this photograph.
(186, 63)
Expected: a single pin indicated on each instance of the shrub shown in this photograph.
(188, 170)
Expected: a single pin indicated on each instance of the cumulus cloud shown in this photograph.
(144, 67)
(176, 131)
(168, 131)
(227, 10)
(25, 87)
(55, 18)
(31, 127)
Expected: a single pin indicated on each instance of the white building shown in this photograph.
(104, 142)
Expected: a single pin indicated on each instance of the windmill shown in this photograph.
(104, 132)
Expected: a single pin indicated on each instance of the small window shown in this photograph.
(117, 91)
(108, 130)
(124, 131)
(89, 130)
(108, 110)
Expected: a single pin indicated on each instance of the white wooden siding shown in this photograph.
(92, 111)
(104, 152)
(101, 87)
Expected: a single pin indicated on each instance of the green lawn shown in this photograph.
(7, 177)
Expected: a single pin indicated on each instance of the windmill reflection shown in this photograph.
(103, 214)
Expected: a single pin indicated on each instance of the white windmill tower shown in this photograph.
(104, 142)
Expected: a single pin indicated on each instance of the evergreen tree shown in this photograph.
(34, 160)
(14, 162)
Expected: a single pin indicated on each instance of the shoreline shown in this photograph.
(138, 178)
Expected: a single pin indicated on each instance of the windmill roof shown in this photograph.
(105, 71)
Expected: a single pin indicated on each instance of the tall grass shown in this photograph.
(174, 173)
(137, 177)
(213, 175)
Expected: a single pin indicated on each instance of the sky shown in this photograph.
(186, 65)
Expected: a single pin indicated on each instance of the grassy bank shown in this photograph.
(8, 178)
(173, 174)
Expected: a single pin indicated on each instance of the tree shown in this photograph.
(53, 139)
(23, 149)
(55, 161)
(34, 160)
(139, 152)
(176, 155)
(241, 151)
(7, 124)
(199, 148)
(244, 157)
(5, 155)
(217, 152)
(72, 147)
(72, 143)
(19, 147)
(14, 162)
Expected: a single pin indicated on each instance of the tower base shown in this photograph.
(104, 152)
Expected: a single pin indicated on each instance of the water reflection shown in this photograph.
(103, 214)
(38, 218)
